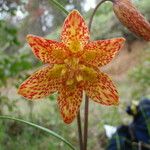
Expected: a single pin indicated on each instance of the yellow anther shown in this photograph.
(70, 82)
(74, 62)
(79, 78)
(63, 71)
(66, 60)
(82, 67)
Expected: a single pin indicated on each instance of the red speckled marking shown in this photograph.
(39, 84)
(102, 91)
(99, 53)
(47, 51)
(75, 29)
(75, 67)
(132, 18)
(69, 102)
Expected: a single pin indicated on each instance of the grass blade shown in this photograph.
(50, 132)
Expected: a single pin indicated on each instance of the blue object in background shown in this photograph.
(135, 136)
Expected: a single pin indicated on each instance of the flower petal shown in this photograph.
(99, 53)
(102, 91)
(75, 32)
(69, 102)
(47, 51)
(41, 84)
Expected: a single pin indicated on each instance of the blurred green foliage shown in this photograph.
(12, 66)
(16, 135)
(8, 35)
(140, 78)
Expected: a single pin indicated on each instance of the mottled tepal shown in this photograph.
(130, 17)
(72, 66)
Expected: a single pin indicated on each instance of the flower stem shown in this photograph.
(80, 130)
(59, 6)
(95, 9)
(85, 138)
(86, 122)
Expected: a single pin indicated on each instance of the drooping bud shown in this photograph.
(130, 17)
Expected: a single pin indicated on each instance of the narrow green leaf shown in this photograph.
(59, 6)
(41, 128)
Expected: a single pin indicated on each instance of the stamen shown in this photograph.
(70, 82)
(79, 78)
(63, 72)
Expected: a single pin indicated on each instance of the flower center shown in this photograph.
(72, 63)
(76, 72)
(73, 71)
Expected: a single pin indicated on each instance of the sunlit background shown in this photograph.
(129, 70)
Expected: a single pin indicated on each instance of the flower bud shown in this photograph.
(130, 17)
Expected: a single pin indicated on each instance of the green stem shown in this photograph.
(86, 97)
(94, 12)
(60, 6)
(80, 130)
(86, 110)
(41, 128)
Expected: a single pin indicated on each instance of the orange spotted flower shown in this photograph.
(72, 67)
